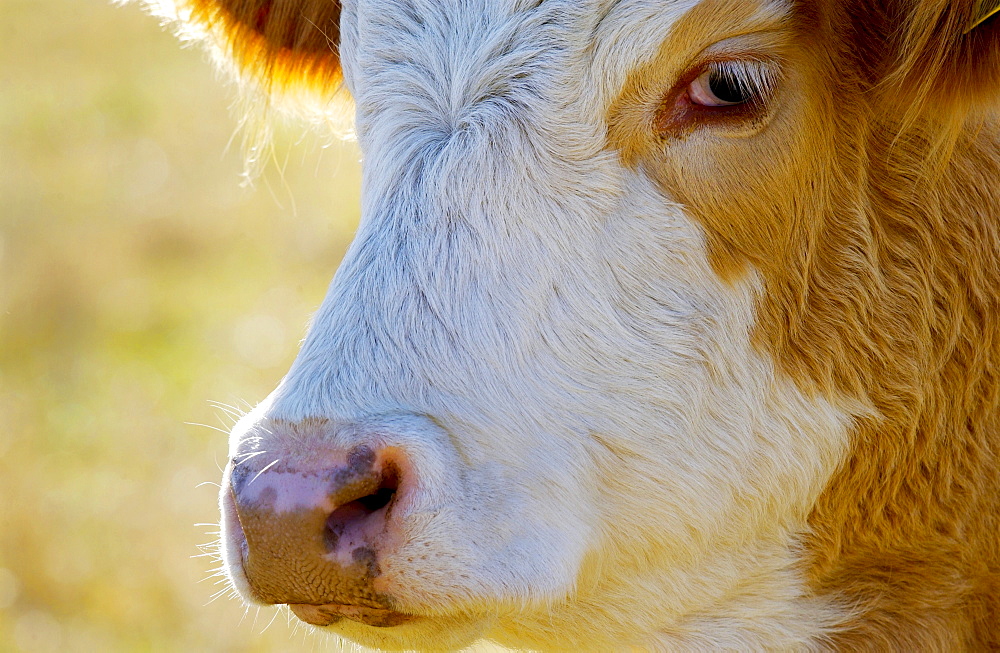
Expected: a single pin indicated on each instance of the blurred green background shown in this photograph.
(139, 283)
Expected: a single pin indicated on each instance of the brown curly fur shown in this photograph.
(869, 206)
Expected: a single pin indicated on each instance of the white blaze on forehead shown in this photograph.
(471, 48)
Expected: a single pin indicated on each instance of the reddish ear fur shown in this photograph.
(950, 53)
(279, 43)
(930, 55)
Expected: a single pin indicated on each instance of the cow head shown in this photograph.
(644, 333)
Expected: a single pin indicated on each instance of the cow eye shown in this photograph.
(730, 83)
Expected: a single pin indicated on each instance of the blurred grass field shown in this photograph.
(139, 283)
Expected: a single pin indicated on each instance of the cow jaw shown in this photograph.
(538, 329)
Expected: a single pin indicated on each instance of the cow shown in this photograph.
(669, 325)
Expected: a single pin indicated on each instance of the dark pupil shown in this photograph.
(727, 88)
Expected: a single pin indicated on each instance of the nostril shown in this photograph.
(358, 514)
(379, 500)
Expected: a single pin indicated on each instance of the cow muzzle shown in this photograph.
(311, 534)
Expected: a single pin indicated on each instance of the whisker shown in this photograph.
(269, 623)
(208, 426)
(234, 413)
(248, 456)
(215, 597)
(262, 471)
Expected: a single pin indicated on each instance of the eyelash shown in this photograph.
(741, 81)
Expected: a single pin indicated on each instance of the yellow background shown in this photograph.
(139, 283)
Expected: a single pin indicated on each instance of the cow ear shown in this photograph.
(983, 10)
(281, 45)
(947, 55)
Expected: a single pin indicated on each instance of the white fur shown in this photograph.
(604, 460)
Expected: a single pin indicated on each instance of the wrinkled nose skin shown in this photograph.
(313, 534)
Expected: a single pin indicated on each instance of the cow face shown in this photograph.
(608, 325)
(527, 345)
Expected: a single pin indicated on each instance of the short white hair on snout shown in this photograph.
(666, 326)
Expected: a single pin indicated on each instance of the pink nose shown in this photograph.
(314, 534)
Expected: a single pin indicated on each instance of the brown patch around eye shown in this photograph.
(647, 111)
